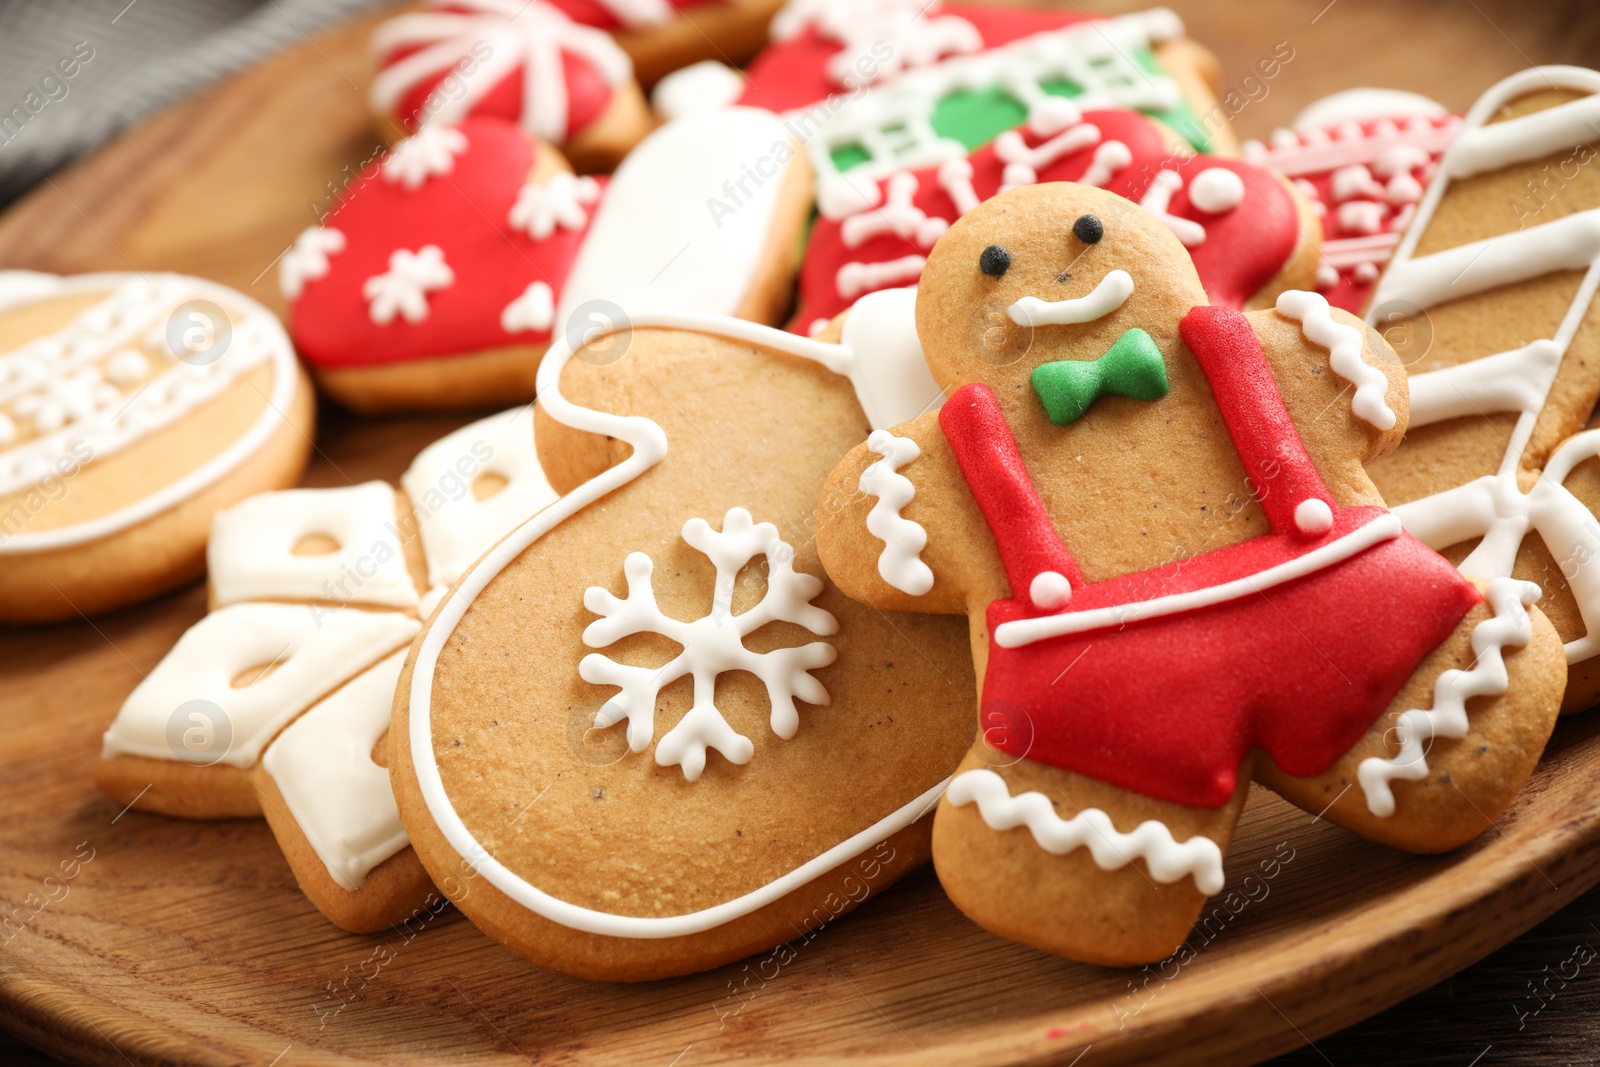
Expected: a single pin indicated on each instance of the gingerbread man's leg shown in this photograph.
(1076, 867)
(1457, 742)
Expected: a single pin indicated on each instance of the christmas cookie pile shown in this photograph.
(937, 438)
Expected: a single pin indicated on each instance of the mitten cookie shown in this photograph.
(317, 589)
(132, 407)
(523, 61)
(1362, 159)
(1250, 235)
(658, 735)
(1030, 60)
(1154, 513)
(434, 284)
(1494, 287)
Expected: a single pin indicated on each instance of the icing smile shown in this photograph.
(1112, 292)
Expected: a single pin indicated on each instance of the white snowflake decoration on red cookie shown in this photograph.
(712, 645)
(307, 259)
(431, 152)
(404, 288)
(561, 201)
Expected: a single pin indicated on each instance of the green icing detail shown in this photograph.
(848, 156)
(1132, 367)
(977, 116)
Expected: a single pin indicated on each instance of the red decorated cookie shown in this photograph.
(526, 62)
(448, 248)
(1364, 179)
(1239, 222)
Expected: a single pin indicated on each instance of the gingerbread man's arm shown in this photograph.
(897, 527)
(1343, 385)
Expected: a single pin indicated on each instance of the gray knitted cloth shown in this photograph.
(74, 74)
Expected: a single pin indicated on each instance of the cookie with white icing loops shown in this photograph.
(1153, 510)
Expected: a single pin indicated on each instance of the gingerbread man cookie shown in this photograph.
(1178, 578)
(1493, 289)
(132, 407)
(645, 719)
(277, 703)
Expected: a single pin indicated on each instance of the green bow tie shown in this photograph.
(1131, 367)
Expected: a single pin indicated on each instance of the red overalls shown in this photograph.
(1293, 642)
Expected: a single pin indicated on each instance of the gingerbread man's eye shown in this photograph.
(994, 261)
(1088, 229)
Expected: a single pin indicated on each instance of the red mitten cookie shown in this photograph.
(435, 284)
(1154, 513)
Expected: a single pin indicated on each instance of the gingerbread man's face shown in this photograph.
(1045, 273)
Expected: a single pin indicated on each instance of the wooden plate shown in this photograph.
(178, 942)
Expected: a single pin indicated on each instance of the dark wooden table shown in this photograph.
(1536, 1001)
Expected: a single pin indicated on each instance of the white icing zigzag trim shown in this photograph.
(1508, 626)
(1151, 841)
(1344, 344)
(900, 563)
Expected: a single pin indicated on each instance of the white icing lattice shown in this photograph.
(1494, 507)
(712, 645)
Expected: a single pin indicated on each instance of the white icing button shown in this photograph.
(1051, 590)
(1216, 190)
(1313, 516)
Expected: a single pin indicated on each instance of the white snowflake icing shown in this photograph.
(533, 310)
(558, 202)
(405, 287)
(432, 151)
(712, 645)
(307, 259)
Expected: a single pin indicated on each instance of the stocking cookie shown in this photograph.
(316, 591)
(1178, 576)
(435, 284)
(132, 407)
(706, 751)
(1362, 159)
(524, 62)
(1248, 233)
(1500, 311)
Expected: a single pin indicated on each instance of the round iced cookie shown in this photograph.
(132, 408)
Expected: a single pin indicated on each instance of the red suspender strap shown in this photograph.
(1282, 475)
(989, 460)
